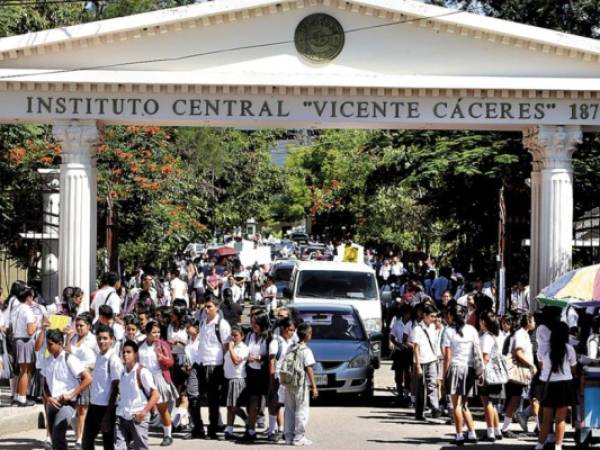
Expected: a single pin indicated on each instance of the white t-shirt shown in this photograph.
(179, 289)
(180, 335)
(425, 338)
(62, 374)
(107, 296)
(592, 346)
(542, 337)
(86, 352)
(131, 398)
(565, 374)
(461, 347)
(23, 317)
(274, 348)
(211, 350)
(522, 340)
(103, 376)
(148, 358)
(257, 347)
(236, 370)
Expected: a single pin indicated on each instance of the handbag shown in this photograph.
(496, 371)
(478, 364)
(518, 373)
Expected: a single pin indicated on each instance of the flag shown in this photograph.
(502, 207)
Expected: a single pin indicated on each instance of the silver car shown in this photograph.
(346, 358)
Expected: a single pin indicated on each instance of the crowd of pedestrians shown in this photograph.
(156, 353)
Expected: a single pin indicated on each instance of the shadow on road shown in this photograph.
(20, 444)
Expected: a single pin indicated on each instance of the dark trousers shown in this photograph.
(93, 420)
(208, 380)
(58, 422)
(427, 389)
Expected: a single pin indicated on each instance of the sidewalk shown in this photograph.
(14, 419)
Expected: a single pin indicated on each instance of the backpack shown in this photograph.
(292, 373)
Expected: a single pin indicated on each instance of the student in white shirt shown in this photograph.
(179, 288)
(107, 295)
(214, 336)
(423, 337)
(81, 343)
(296, 398)
(559, 392)
(490, 328)
(103, 392)
(593, 342)
(235, 376)
(192, 356)
(257, 375)
(137, 396)
(24, 325)
(62, 373)
(269, 295)
(278, 348)
(459, 343)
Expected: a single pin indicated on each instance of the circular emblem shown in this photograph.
(319, 38)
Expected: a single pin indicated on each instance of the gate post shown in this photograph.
(78, 218)
(551, 239)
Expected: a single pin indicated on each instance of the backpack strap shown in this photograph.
(218, 330)
(138, 377)
(108, 297)
(279, 348)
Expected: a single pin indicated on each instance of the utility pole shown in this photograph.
(501, 288)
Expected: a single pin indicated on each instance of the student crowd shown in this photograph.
(157, 353)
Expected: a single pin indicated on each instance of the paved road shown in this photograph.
(335, 424)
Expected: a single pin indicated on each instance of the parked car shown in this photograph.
(346, 357)
(282, 273)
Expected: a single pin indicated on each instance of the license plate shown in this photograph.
(321, 379)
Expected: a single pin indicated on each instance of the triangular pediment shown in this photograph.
(403, 44)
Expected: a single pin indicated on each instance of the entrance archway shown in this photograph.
(307, 64)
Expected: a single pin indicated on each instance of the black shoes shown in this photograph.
(436, 414)
(167, 441)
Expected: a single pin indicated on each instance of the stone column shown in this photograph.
(552, 149)
(77, 232)
(51, 200)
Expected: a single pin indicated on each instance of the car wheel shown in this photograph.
(369, 392)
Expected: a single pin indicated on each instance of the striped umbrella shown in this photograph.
(579, 287)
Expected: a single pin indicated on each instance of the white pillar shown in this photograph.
(77, 233)
(552, 149)
(51, 200)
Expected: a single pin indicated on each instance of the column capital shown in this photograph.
(77, 140)
(552, 146)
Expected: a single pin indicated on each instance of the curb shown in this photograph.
(17, 420)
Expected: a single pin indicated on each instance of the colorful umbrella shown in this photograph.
(579, 287)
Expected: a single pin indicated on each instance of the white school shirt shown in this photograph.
(131, 398)
(236, 370)
(521, 340)
(180, 290)
(570, 360)
(192, 350)
(107, 296)
(148, 358)
(103, 376)
(542, 338)
(461, 346)
(274, 345)
(211, 350)
(62, 374)
(87, 352)
(257, 347)
(419, 336)
(592, 346)
(182, 336)
(23, 317)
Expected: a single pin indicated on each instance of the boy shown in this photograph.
(103, 393)
(138, 395)
(296, 392)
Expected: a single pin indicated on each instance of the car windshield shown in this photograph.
(336, 284)
(334, 326)
(282, 274)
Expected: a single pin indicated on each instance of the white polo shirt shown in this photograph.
(23, 317)
(425, 338)
(232, 370)
(211, 350)
(131, 398)
(148, 358)
(108, 368)
(107, 296)
(192, 350)
(62, 373)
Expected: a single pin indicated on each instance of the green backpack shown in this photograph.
(292, 373)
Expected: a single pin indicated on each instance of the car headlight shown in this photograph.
(376, 347)
(372, 325)
(360, 361)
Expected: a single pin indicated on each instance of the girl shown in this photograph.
(489, 329)
(177, 336)
(235, 375)
(257, 376)
(400, 329)
(132, 330)
(559, 394)
(24, 325)
(459, 344)
(522, 351)
(82, 343)
(155, 354)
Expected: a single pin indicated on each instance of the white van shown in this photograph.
(349, 283)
